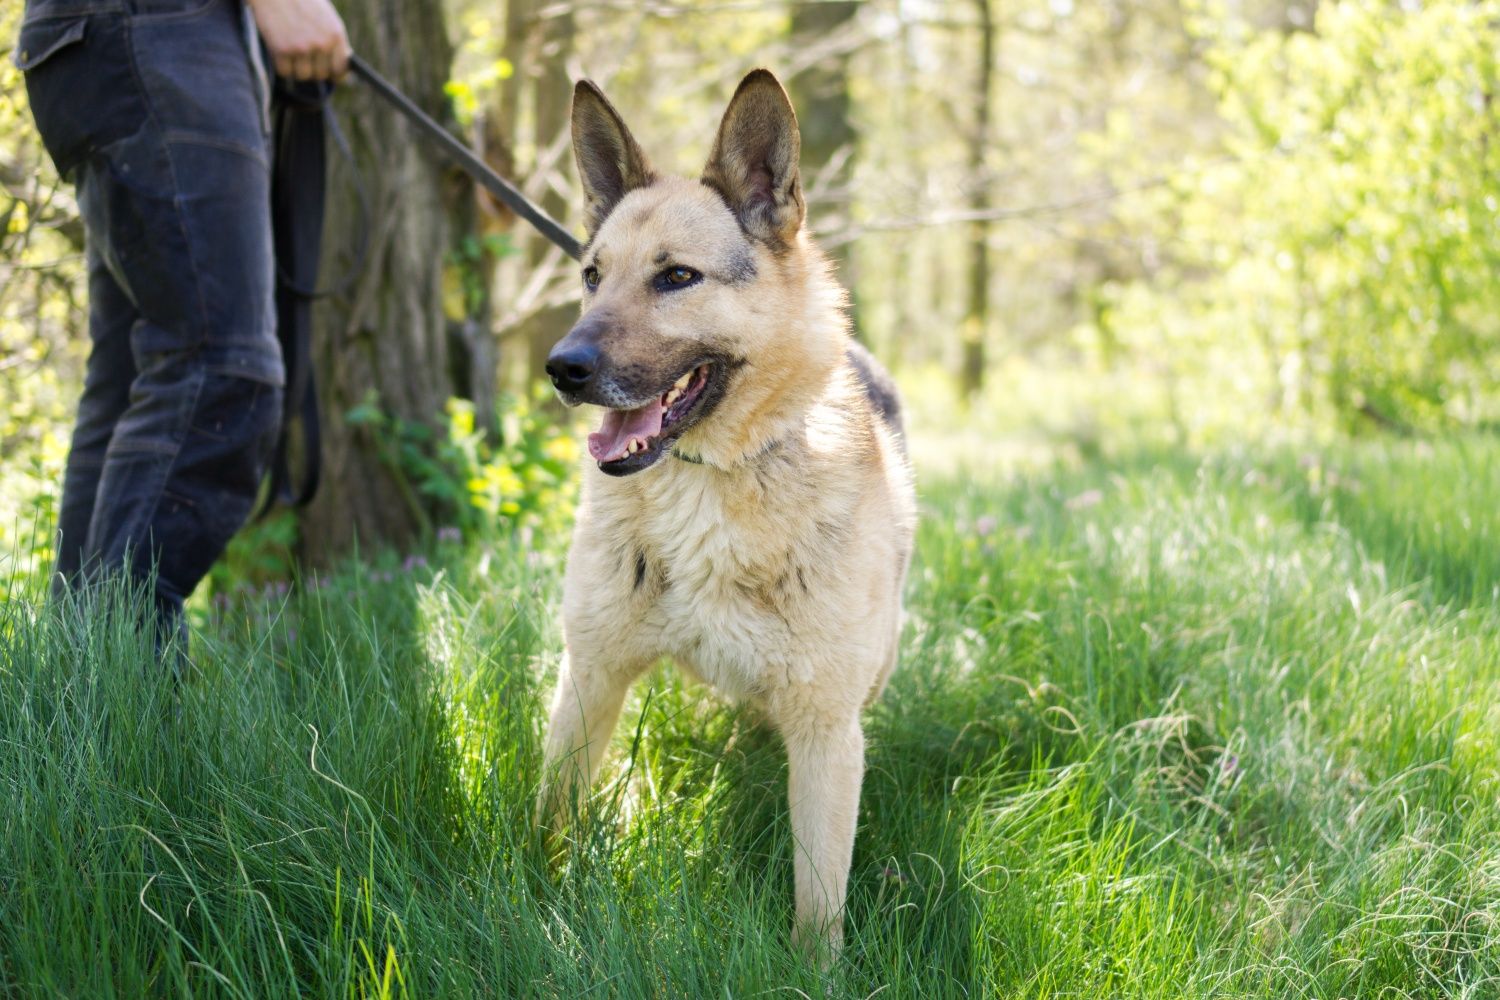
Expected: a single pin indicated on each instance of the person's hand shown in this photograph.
(306, 38)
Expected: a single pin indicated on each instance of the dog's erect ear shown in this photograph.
(610, 164)
(754, 161)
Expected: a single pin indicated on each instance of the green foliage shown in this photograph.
(263, 553)
(517, 474)
(1168, 725)
(1346, 250)
(467, 94)
(42, 311)
(469, 266)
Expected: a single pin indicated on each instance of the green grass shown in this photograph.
(1167, 726)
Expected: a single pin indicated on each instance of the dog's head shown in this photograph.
(684, 282)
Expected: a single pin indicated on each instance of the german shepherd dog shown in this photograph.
(749, 510)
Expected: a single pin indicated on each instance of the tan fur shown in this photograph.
(773, 570)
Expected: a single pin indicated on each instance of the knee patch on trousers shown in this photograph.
(216, 475)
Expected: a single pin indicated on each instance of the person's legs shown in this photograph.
(106, 395)
(176, 202)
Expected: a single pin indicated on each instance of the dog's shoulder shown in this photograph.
(879, 388)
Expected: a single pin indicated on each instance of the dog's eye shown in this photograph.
(677, 277)
(591, 277)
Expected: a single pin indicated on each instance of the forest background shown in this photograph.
(1068, 227)
(1194, 308)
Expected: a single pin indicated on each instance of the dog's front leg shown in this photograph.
(585, 709)
(827, 764)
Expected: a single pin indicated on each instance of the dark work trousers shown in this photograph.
(155, 109)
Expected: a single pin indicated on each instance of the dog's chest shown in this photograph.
(721, 574)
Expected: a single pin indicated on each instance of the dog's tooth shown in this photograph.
(672, 397)
(630, 448)
(682, 383)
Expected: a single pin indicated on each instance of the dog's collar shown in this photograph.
(695, 460)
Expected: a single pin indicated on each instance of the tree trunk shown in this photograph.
(532, 110)
(384, 340)
(551, 44)
(971, 378)
(821, 96)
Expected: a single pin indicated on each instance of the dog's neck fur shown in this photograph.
(776, 433)
(764, 407)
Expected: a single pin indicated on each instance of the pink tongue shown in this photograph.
(620, 427)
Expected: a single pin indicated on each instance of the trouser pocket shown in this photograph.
(79, 83)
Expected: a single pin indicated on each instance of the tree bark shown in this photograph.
(821, 96)
(551, 42)
(383, 340)
(971, 378)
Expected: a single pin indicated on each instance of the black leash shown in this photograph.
(471, 163)
(298, 179)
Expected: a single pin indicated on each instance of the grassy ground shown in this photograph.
(1166, 726)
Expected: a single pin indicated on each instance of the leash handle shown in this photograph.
(476, 168)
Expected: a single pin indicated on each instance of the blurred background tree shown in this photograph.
(43, 313)
(383, 342)
(1065, 225)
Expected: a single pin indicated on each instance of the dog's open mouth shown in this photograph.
(631, 440)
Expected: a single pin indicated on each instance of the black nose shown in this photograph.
(572, 365)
